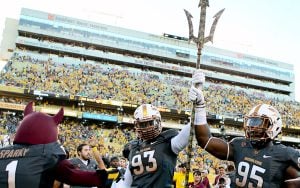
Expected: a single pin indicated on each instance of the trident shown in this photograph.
(199, 41)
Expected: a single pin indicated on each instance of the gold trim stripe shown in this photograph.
(145, 111)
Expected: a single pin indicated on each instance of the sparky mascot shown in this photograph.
(37, 159)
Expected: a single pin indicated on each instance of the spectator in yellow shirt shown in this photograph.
(179, 176)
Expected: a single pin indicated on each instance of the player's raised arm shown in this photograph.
(180, 141)
(213, 145)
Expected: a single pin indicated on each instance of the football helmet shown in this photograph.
(147, 122)
(262, 122)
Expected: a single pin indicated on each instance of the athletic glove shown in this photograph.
(196, 96)
(198, 79)
(195, 93)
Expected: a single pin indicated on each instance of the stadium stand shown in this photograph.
(101, 73)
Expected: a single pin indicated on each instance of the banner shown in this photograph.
(70, 113)
(102, 117)
(12, 106)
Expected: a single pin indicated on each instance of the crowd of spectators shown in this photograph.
(101, 80)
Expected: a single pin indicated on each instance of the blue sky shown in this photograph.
(265, 28)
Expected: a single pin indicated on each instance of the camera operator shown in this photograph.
(222, 180)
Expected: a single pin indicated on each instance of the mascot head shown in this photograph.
(37, 127)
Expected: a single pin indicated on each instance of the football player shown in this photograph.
(152, 160)
(37, 159)
(259, 161)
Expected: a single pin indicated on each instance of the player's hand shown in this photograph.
(198, 78)
(196, 95)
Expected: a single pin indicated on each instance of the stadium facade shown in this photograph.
(45, 36)
(219, 64)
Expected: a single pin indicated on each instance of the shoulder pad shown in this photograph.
(132, 144)
(237, 140)
(169, 133)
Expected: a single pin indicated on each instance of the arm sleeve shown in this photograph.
(180, 141)
(127, 181)
(67, 173)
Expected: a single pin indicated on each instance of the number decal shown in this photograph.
(151, 160)
(243, 170)
(256, 177)
(138, 166)
(137, 162)
(11, 168)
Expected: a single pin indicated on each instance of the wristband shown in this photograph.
(200, 116)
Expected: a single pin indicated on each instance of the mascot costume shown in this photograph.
(37, 159)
